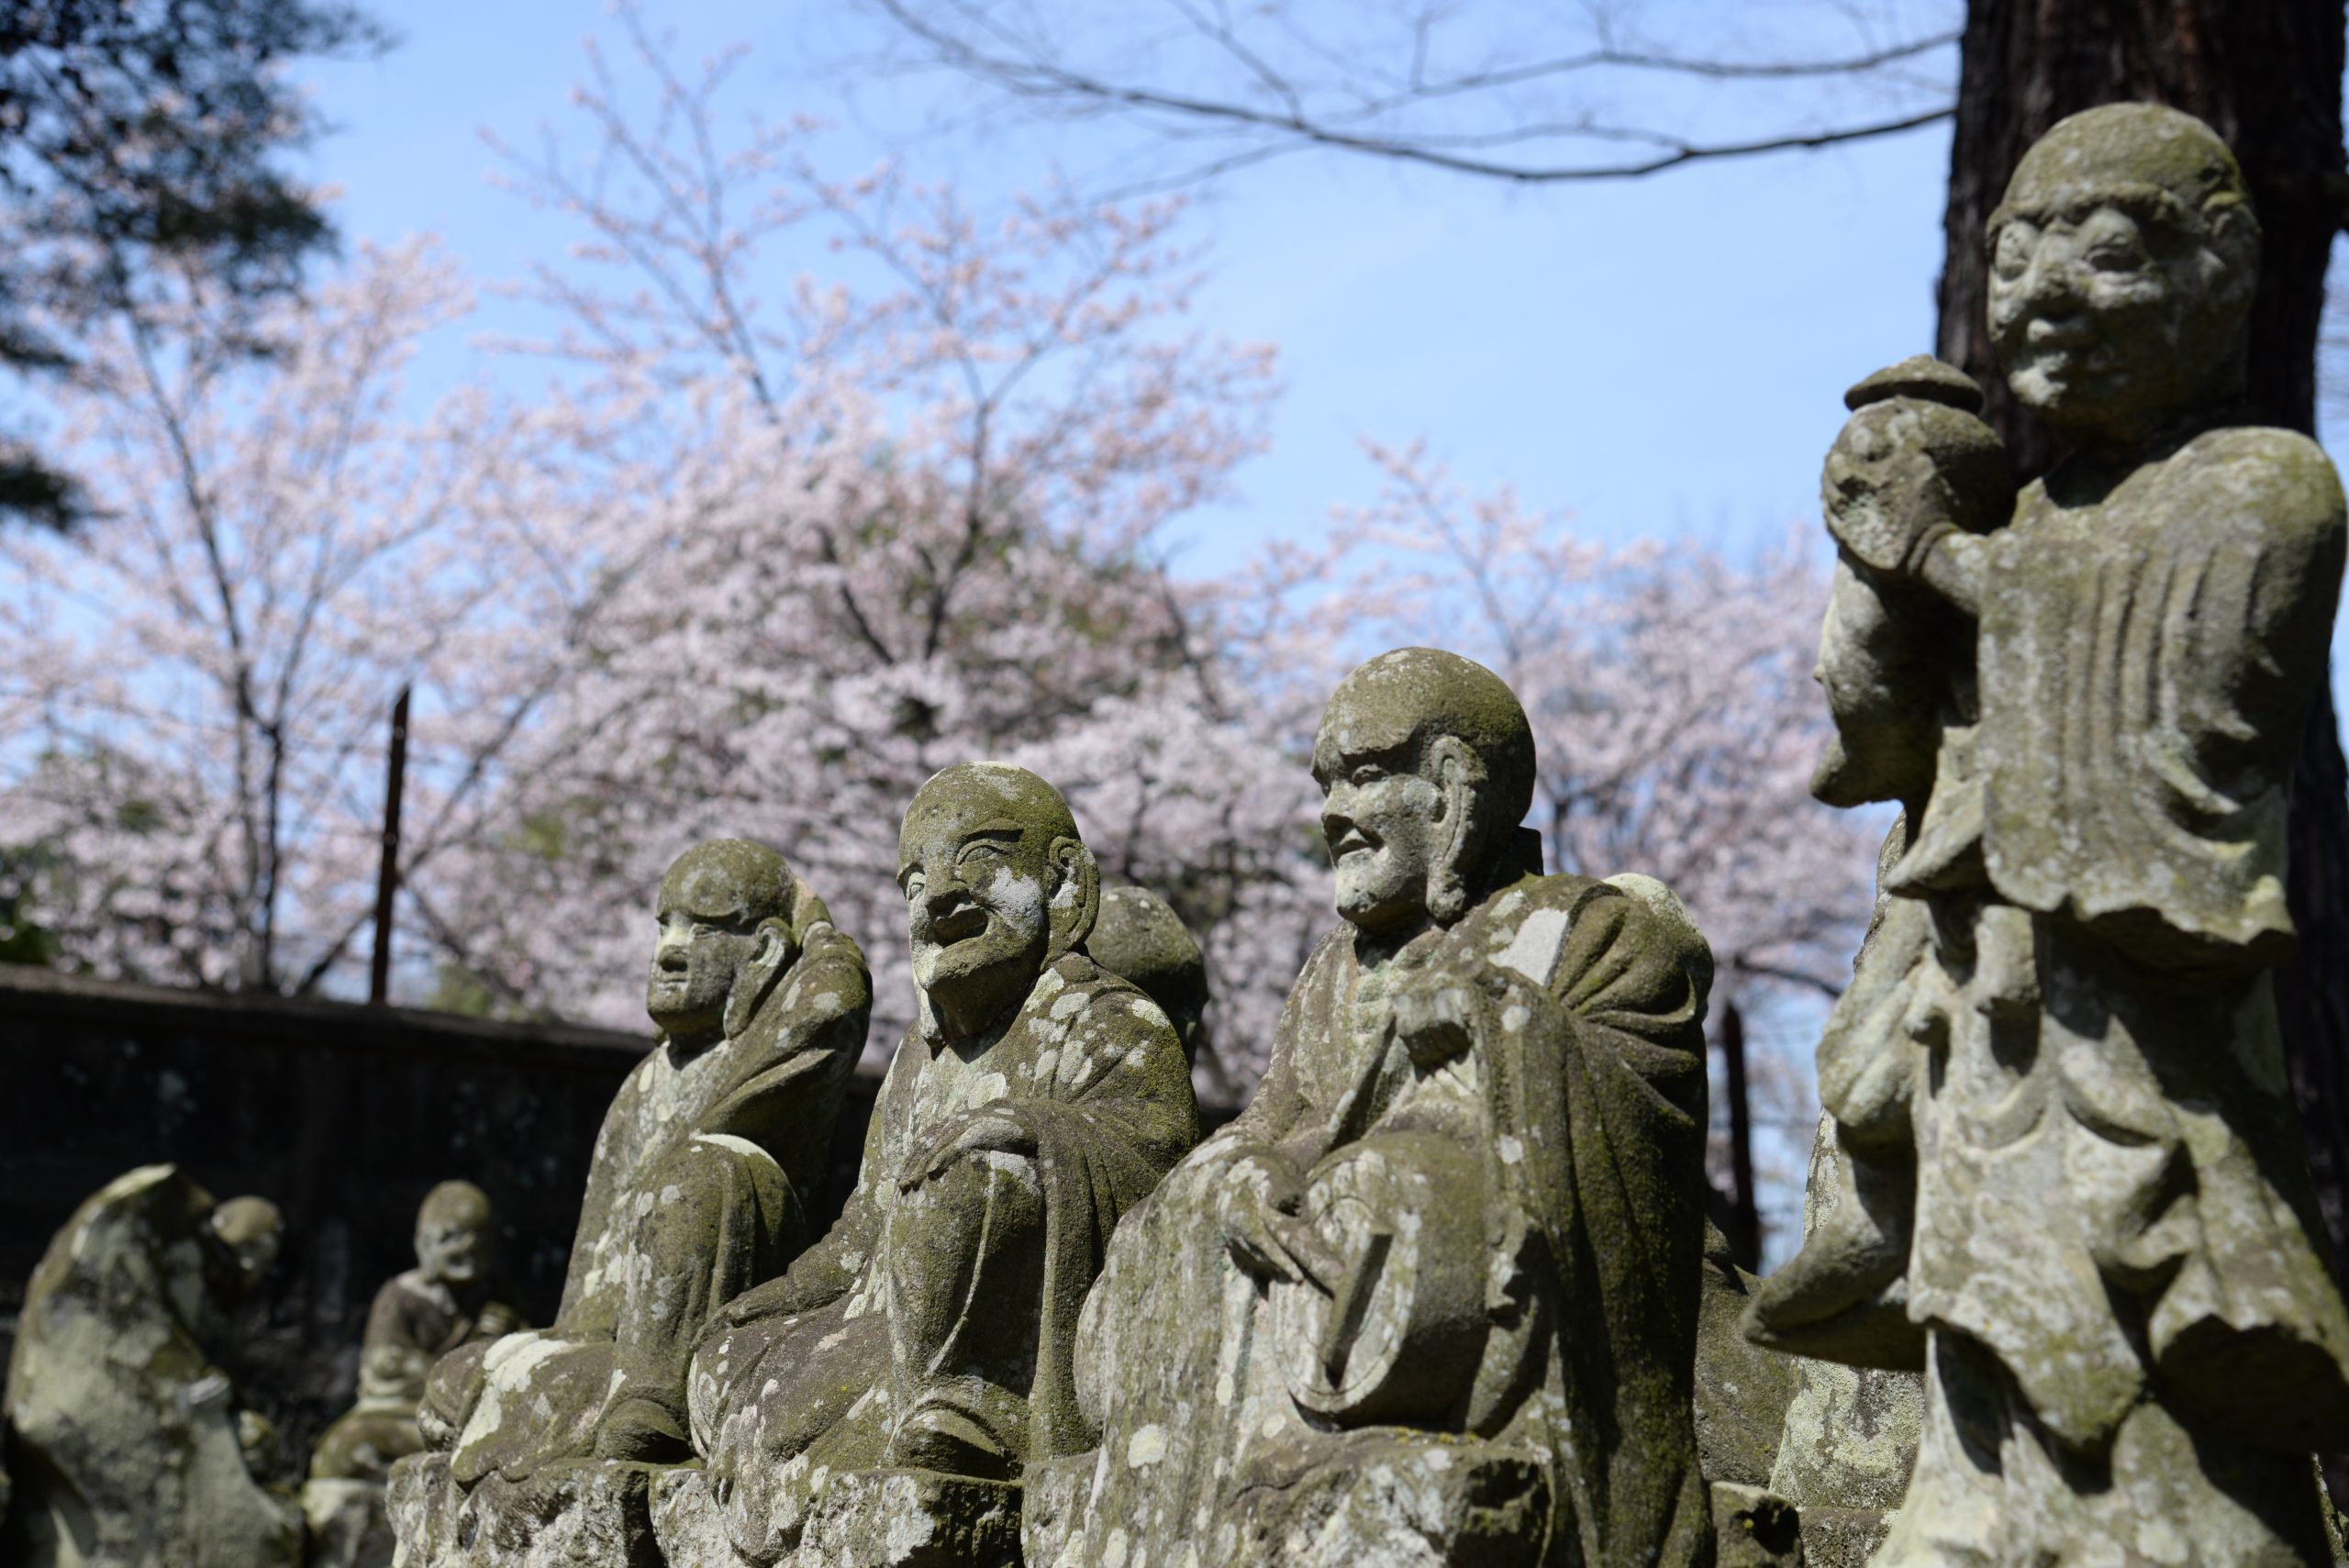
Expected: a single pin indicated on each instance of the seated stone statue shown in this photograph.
(693, 1195)
(1432, 1298)
(126, 1443)
(419, 1317)
(895, 1384)
(2072, 1184)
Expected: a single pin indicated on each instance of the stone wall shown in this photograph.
(343, 1114)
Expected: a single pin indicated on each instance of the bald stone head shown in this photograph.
(724, 916)
(2122, 265)
(252, 1228)
(997, 884)
(454, 1239)
(1141, 939)
(1425, 762)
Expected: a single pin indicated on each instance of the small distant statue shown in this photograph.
(2069, 1174)
(419, 1317)
(1433, 1297)
(696, 1192)
(899, 1381)
(129, 1448)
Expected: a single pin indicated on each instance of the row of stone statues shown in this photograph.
(1442, 1293)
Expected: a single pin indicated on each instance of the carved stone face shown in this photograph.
(708, 932)
(978, 884)
(2122, 262)
(454, 1241)
(1381, 818)
(2093, 313)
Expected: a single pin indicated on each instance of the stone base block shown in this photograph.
(1057, 1492)
(1406, 1498)
(911, 1519)
(1753, 1528)
(686, 1523)
(348, 1526)
(587, 1511)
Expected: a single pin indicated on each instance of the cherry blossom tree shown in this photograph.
(195, 707)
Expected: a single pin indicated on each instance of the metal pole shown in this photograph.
(387, 880)
(1745, 1233)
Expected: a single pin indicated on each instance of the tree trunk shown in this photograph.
(2266, 76)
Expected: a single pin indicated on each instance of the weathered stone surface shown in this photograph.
(129, 1442)
(1755, 1527)
(1139, 937)
(693, 1198)
(1742, 1390)
(1037, 1098)
(2068, 1175)
(348, 1526)
(567, 1512)
(1460, 1223)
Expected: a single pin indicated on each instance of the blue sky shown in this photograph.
(1664, 356)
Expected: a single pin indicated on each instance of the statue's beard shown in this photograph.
(966, 984)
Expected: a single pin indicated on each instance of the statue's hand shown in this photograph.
(1434, 1022)
(1261, 1229)
(771, 1299)
(973, 1132)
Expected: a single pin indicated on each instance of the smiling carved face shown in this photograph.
(978, 882)
(1381, 819)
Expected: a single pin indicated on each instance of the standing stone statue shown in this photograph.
(1432, 1298)
(694, 1196)
(882, 1401)
(2071, 1183)
(446, 1301)
(128, 1447)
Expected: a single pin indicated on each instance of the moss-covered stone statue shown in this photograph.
(1139, 937)
(1432, 1298)
(2069, 1181)
(694, 1196)
(882, 1402)
(127, 1445)
(447, 1300)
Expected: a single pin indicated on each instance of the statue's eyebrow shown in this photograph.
(1011, 831)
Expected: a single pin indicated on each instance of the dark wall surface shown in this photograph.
(343, 1115)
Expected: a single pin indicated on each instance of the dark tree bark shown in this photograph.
(2266, 75)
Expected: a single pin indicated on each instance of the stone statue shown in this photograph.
(1139, 937)
(694, 1196)
(447, 1300)
(882, 1401)
(127, 1443)
(1433, 1297)
(2069, 1181)
(419, 1317)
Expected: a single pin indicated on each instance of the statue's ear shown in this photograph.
(1077, 897)
(1460, 775)
(756, 982)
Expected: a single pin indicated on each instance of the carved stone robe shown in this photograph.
(692, 1197)
(1092, 1071)
(1517, 1388)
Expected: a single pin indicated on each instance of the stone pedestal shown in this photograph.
(873, 1518)
(588, 1511)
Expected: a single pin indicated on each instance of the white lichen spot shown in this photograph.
(1147, 1446)
(1512, 1151)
